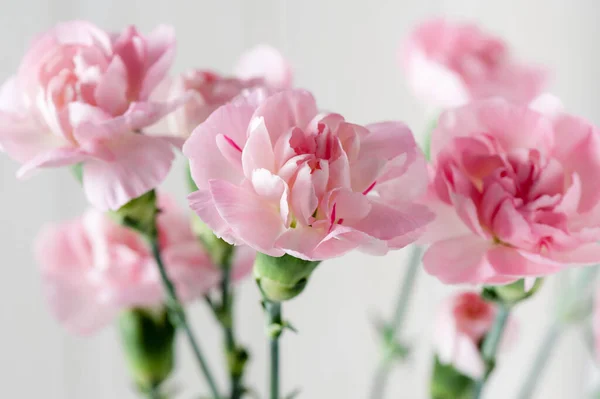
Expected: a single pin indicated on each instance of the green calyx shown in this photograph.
(139, 214)
(282, 278)
(148, 343)
(511, 294)
(449, 383)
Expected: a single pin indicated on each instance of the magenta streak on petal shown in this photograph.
(233, 144)
(332, 218)
(368, 190)
(341, 221)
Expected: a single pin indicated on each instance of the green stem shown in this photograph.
(275, 324)
(154, 393)
(179, 318)
(490, 345)
(540, 361)
(392, 329)
(234, 362)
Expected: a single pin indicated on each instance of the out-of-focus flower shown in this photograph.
(516, 193)
(93, 268)
(83, 95)
(462, 322)
(275, 174)
(262, 66)
(449, 64)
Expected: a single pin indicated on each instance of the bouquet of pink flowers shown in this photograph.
(502, 195)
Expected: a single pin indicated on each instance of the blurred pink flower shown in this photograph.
(82, 95)
(449, 64)
(262, 66)
(277, 175)
(516, 193)
(461, 324)
(93, 268)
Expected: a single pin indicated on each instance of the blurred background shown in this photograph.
(345, 52)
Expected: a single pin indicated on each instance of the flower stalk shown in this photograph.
(392, 349)
(274, 330)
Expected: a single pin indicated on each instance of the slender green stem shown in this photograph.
(235, 363)
(540, 361)
(570, 304)
(179, 318)
(490, 346)
(275, 323)
(392, 329)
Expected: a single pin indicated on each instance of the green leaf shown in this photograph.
(449, 383)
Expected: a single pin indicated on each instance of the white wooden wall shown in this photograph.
(345, 51)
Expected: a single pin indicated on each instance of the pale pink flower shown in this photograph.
(277, 175)
(262, 66)
(461, 325)
(449, 64)
(93, 268)
(82, 95)
(516, 193)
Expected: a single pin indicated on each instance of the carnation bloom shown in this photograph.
(462, 322)
(262, 66)
(83, 95)
(449, 64)
(93, 268)
(516, 194)
(277, 175)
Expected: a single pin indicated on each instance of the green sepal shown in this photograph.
(147, 339)
(510, 294)
(449, 383)
(77, 170)
(282, 278)
(426, 146)
(139, 214)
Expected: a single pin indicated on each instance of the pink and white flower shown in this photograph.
(516, 194)
(450, 64)
(279, 176)
(461, 325)
(262, 66)
(93, 268)
(82, 95)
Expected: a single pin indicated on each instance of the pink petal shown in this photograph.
(271, 188)
(386, 223)
(59, 157)
(287, 109)
(258, 151)
(510, 262)
(111, 89)
(267, 63)
(206, 160)
(160, 53)
(202, 203)
(303, 199)
(252, 219)
(110, 185)
(459, 260)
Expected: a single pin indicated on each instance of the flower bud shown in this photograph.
(282, 278)
(148, 343)
(511, 294)
(139, 214)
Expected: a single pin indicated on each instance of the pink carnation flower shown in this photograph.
(449, 64)
(262, 66)
(461, 325)
(82, 95)
(516, 193)
(277, 175)
(93, 268)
